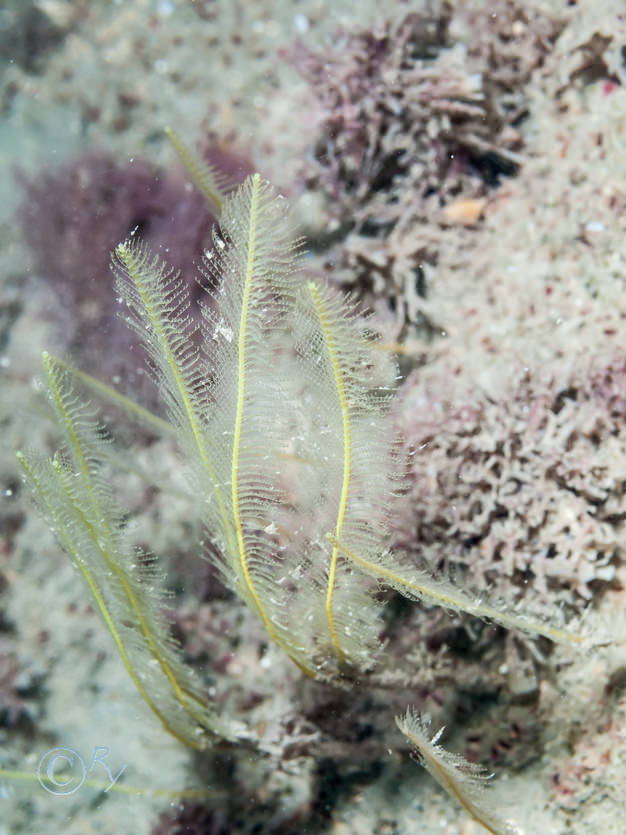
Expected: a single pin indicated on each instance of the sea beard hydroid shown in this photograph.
(279, 402)
(464, 781)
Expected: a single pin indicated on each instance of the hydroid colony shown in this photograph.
(280, 405)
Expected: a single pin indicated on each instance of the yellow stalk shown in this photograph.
(337, 370)
(111, 563)
(458, 602)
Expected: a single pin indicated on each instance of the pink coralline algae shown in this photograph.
(524, 491)
(419, 122)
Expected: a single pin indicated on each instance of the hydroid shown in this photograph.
(279, 402)
(464, 781)
(211, 183)
(213, 377)
(77, 501)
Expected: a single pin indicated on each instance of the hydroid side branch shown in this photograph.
(462, 780)
(325, 320)
(253, 266)
(88, 524)
(338, 356)
(417, 584)
(213, 186)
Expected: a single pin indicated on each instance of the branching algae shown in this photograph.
(280, 405)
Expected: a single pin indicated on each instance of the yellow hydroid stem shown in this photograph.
(77, 449)
(141, 278)
(200, 171)
(445, 595)
(118, 788)
(102, 538)
(68, 423)
(337, 372)
(136, 271)
(69, 545)
(241, 393)
(108, 392)
(463, 780)
(242, 345)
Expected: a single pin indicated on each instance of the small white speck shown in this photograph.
(160, 66)
(301, 23)
(595, 226)
(223, 330)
